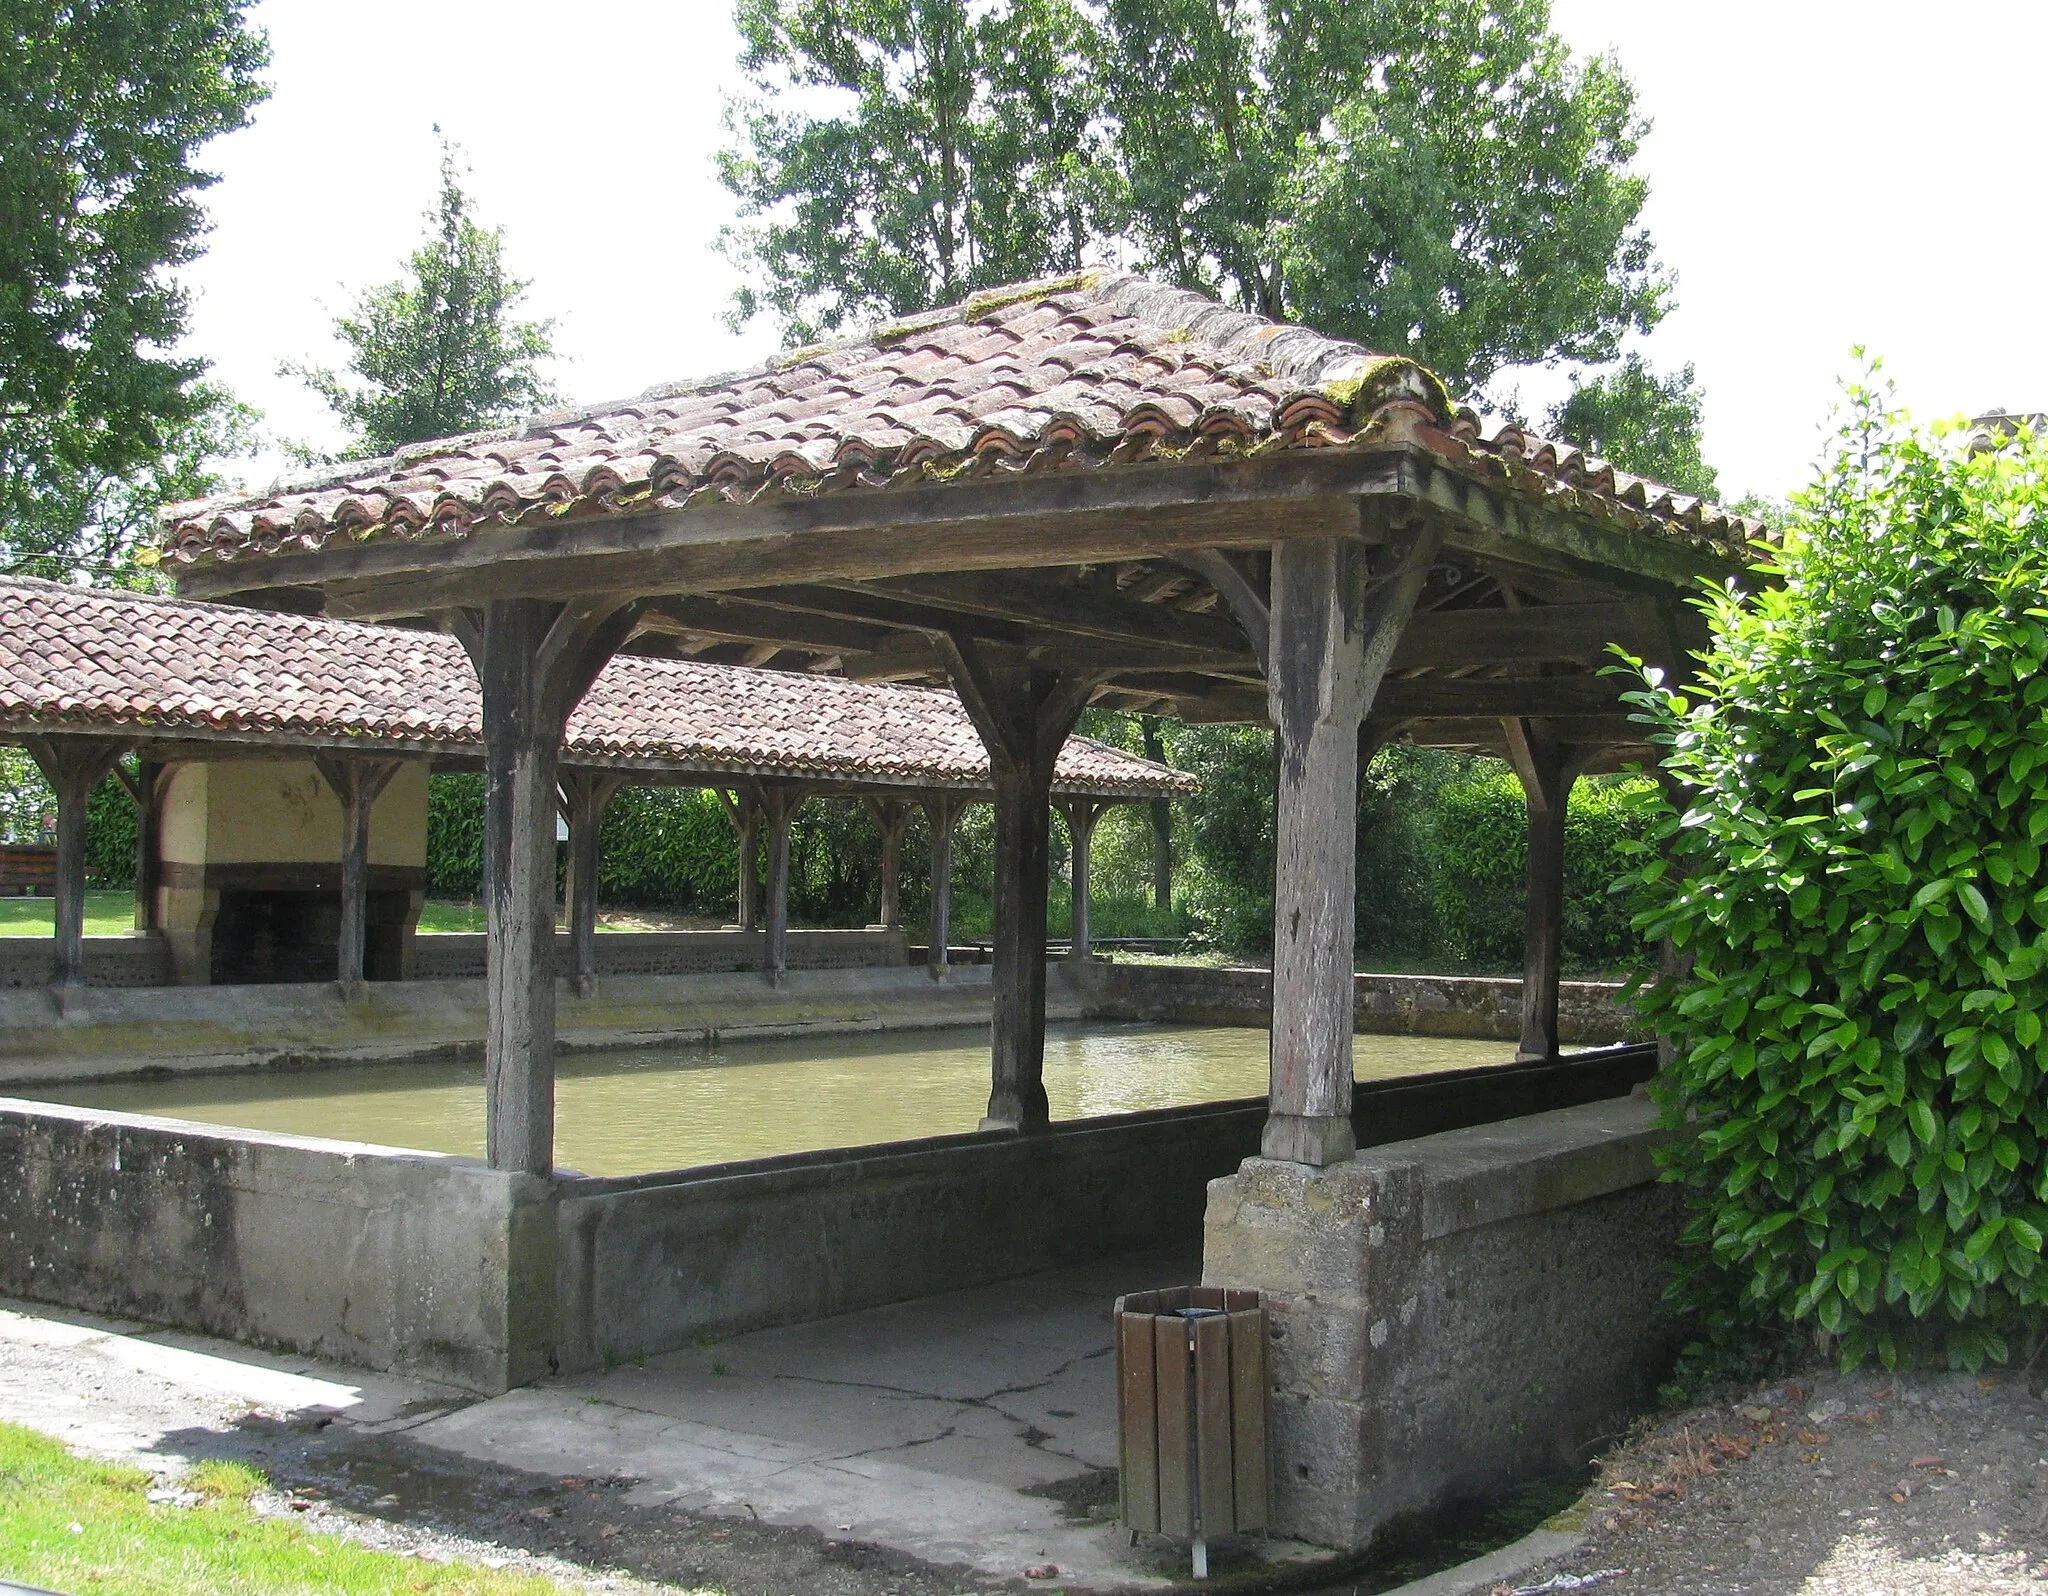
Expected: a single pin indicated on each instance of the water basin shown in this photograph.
(673, 1108)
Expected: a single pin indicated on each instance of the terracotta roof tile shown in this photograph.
(86, 659)
(1070, 372)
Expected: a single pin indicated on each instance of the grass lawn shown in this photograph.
(107, 914)
(88, 1527)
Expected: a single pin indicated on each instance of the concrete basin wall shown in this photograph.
(654, 1262)
(1480, 1007)
(442, 1267)
(1454, 1314)
(385, 1259)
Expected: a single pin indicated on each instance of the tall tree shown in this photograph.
(1641, 422)
(96, 526)
(1439, 178)
(956, 151)
(104, 105)
(439, 349)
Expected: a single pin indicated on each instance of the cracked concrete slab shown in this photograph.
(918, 1426)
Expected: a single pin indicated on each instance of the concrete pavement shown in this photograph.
(976, 1428)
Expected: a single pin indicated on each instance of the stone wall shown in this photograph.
(1451, 1315)
(109, 961)
(387, 1260)
(1481, 1007)
(459, 956)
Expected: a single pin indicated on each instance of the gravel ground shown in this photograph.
(1868, 1484)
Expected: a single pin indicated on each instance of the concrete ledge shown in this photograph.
(1453, 1313)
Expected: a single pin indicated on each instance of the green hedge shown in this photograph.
(1479, 845)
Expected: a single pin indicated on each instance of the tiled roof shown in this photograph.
(79, 658)
(1085, 372)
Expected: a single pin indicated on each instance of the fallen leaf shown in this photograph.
(1898, 1496)
(1885, 1395)
(1043, 1571)
(1813, 1437)
(572, 1484)
(1929, 1462)
(1988, 1383)
(608, 1532)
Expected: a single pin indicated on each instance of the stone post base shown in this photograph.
(1452, 1314)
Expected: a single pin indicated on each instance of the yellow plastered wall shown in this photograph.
(265, 811)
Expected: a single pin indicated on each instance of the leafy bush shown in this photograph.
(1856, 878)
(1479, 846)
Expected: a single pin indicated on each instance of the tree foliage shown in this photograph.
(439, 350)
(1855, 872)
(957, 153)
(1641, 422)
(1442, 179)
(103, 110)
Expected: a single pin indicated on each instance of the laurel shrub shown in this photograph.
(1852, 864)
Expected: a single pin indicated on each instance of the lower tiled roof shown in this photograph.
(86, 659)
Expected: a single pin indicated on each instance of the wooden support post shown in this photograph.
(742, 807)
(145, 788)
(356, 782)
(1547, 769)
(779, 803)
(1334, 621)
(1024, 715)
(1081, 814)
(942, 813)
(585, 793)
(1160, 811)
(534, 660)
(892, 819)
(73, 766)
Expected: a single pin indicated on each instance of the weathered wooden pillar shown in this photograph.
(73, 766)
(1547, 769)
(742, 807)
(1081, 814)
(779, 804)
(356, 782)
(145, 788)
(1024, 714)
(892, 819)
(1334, 619)
(942, 813)
(534, 660)
(585, 793)
(1161, 813)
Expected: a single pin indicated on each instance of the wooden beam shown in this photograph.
(1494, 698)
(357, 784)
(1076, 517)
(1065, 602)
(1555, 632)
(727, 619)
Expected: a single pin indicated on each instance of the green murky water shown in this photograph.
(629, 1113)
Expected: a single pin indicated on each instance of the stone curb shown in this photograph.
(1480, 1575)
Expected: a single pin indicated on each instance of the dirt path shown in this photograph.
(1829, 1485)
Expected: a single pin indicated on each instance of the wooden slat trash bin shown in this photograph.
(1191, 1412)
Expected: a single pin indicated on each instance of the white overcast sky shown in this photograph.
(1822, 175)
